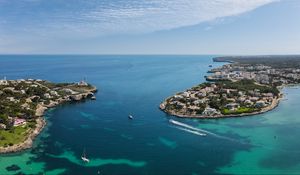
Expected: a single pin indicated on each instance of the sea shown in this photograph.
(149, 144)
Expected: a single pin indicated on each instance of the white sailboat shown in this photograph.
(84, 158)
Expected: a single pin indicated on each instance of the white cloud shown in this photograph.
(97, 18)
(155, 15)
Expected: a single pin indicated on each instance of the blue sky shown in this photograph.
(150, 27)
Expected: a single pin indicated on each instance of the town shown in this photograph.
(234, 89)
(23, 102)
(221, 99)
(259, 73)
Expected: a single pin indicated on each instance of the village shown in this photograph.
(259, 73)
(23, 102)
(232, 90)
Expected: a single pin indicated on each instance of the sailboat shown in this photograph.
(84, 158)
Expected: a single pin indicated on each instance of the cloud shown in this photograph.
(99, 18)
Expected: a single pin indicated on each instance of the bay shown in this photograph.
(149, 144)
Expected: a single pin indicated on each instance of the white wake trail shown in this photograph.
(195, 130)
(191, 131)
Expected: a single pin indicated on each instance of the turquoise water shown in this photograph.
(149, 144)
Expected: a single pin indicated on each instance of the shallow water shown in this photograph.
(149, 144)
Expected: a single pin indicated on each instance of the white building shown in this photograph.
(3, 81)
(210, 111)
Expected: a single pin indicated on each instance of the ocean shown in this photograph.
(149, 144)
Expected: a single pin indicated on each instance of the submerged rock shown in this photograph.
(13, 168)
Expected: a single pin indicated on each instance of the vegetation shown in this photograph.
(240, 110)
(14, 136)
(279, 61)
(248, 85)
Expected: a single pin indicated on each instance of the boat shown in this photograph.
(93, 97)
(130, 117)
(84, 158)
(188, 128)
(210, 65)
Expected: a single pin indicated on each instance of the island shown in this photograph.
(23, 103)
(247, 85)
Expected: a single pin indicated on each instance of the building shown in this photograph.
(232, 106)
(3, 81)
(19, 121)
(210, 111)
(82, 83)
(260, 104)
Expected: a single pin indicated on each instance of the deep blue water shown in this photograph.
(149, 144)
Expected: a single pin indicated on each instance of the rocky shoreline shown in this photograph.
(27, 143)
(274, 104)
(233, 90)
(41, 122)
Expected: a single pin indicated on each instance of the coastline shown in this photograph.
(28, 142)
(189, 104)
(274, 104)
(41, 123)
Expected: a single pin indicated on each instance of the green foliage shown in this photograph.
(247, 85)
(3, 118)
(39, 91)
(15, 136)
(201, 86)
(240, 110)
(215, 103)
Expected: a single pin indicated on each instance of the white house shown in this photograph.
(210, 111)
(3, 81)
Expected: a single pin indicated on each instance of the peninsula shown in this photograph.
(248, 85)
(23, 103)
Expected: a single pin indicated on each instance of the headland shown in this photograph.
(22, 106)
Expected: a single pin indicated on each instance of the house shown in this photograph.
(193, 108)
(231, 100)
(201, 94)
(267, 94)
(46, 95)
(69, 91)
(3, 81)
(178, 97)
(186, 94)
(210, 111)
(199, 101)
(260, 104)
(254, 99)
(54, 93)
(12, 99)
(232, 106)
(19, 121)
(248, 102)
(2, 126)
(241, 99)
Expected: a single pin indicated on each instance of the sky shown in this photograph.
(219, 27)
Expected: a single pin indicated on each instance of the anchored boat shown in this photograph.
(130, 117)
(84, 158)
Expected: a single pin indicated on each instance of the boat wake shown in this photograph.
(191, 131)
(202, 132)
(197, 131)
